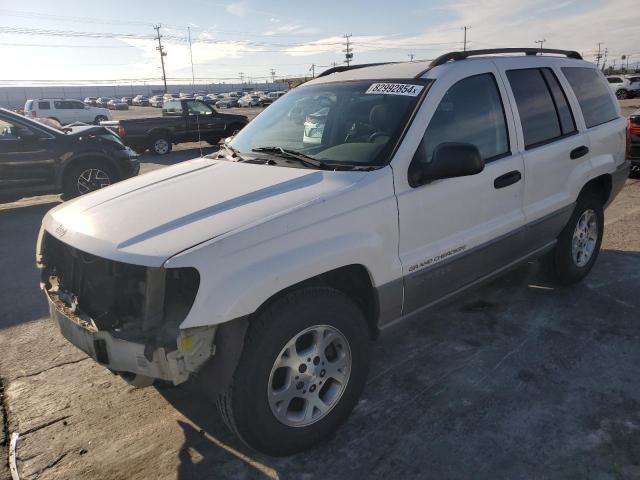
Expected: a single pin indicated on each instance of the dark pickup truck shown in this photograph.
(183, 120)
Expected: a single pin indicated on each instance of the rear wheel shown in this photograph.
(622, 94)
(100, 118)
(303, 367)
(161, 144)
(579, 242)
(87, 176)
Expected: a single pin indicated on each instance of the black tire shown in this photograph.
(244, 405)
(79, 179)
(559, 263)
(161, 144)
(622, 94)
(100, 118)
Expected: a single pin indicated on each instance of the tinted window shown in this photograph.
(470, 112)
(535, 105)
(76, 105)
(8, 131)
(592, 93)
(44, 106)
(614, 80)
(567, 124)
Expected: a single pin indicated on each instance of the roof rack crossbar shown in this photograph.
(344, 68)
(454, 56)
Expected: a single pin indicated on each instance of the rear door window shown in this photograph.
(44, 106)
(593, 94)
(540, 122)
(567, 123)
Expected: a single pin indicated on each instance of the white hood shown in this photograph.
(147, 219)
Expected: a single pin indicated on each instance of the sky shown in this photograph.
(72, 41)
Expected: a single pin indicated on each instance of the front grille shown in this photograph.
(111, 293)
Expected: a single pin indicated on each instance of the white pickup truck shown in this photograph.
(264, 273)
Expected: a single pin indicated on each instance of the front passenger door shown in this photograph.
(455, 231)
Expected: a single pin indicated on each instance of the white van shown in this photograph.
(65, 111)
(265, 272)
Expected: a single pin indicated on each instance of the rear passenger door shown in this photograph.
(556, 154)
(456, 231)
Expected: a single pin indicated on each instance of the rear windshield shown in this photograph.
(593, 94)
(355, 123)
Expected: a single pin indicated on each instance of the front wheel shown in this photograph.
(622, 94)
(100, 118)
(579, 242)
(303, 367)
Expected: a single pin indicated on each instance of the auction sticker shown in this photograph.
(406, 89)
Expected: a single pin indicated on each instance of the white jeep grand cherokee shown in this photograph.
(263, 273)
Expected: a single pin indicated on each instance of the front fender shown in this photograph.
(238, 273)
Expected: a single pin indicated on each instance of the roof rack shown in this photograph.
(528, 51)
(344, 68)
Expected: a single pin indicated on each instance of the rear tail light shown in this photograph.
(634, 124)
(121, 131)
(33, 114)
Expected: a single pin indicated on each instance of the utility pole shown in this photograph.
(163, 54)
(604, 60)
(348, 52)
(193, 75)
(241, 75)
(464, 44)
(272, 72)
(411, 55)
(313, 70)
(599, 54)
(541, 42)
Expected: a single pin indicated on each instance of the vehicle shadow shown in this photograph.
(497, 384)
(19, 298)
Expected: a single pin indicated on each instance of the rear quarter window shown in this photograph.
(593, 94)
(44, 106)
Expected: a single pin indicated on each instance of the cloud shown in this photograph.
(239, 9)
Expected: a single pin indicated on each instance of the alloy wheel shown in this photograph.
(585, 238)
(92, 179)
(309, 376)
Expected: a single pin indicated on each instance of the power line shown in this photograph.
(162, 55)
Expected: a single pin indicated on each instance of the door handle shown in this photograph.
(507, 179)
(579, 152)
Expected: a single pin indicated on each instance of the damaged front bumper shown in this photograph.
(126, 317)
(133, 360)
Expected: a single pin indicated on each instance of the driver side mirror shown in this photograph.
(450, 159)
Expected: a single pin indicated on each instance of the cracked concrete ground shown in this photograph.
(519, 380)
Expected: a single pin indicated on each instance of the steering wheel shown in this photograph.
(375, 135)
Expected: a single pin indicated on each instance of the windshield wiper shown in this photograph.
(294, 155)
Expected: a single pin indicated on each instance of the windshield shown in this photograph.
(354, 123)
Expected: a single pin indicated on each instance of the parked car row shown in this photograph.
(625, 86)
